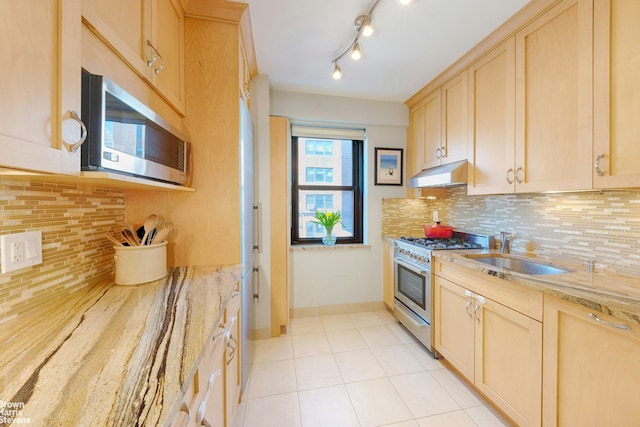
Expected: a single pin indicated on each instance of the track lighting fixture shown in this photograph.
(363, 27)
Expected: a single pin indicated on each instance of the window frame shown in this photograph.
(357, 187)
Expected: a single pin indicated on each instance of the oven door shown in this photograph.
(412, 287)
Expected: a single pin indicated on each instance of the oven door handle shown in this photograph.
(420, 269)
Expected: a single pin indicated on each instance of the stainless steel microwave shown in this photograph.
(125, 136)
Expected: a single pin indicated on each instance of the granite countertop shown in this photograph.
(607, 292)
(109, 354)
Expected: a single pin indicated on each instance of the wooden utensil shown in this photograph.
(149, 224)
(113, 239)
(161, 234)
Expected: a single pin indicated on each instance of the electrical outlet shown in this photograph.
(17, 252)
(20, 250)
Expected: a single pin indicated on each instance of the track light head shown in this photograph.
(356, 54)
(337, 72)
(367, 27)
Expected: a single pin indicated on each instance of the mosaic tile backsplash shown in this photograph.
(75, 253)
(569, 227)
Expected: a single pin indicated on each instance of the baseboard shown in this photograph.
(326, 310)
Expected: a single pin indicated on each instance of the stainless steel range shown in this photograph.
(412, 284)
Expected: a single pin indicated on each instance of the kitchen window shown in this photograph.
(327, 176)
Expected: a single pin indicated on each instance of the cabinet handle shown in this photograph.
(596, 165)
(443, 152)
(467, 308)
(438, 155)
(256, 284)
(519, 180)
(212, 379)
(233, 348)
(73, 147)
(202, 409)
(185, 408)
(509, 176)
(613, 325)
(205, 423)
(161, 67)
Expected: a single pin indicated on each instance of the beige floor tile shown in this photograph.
(386, 317)
(273, 411)
(379, 336)
(449, 419)
(461, 392)
(305, 325)
(402, 333)
(365, 319)
(271, 378)
(484, 416)
(310, 345)
(423, 395)
(410, 423)
(273, 349)
(336, 322)
(317, 371)
(327, 406)
(346, 340)
(377, 403)
(397, 360)
(358, 365)
(424, 356)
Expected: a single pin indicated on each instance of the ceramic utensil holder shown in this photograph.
(140, 264)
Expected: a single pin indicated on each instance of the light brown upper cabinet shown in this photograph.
(616, 149)
(431, 148)
(554, 99)
(149, 36)
(492, 121)
(40, 85)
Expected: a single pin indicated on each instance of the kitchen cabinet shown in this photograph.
(431, 137)
(149, 36)
(213, 393)
(40, 85)
(482, 330)
(388, 273)
(591, 371)
(616, 151)
(553, 128)
(492, 121)
(233, 376)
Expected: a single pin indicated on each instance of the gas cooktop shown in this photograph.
(458, 240)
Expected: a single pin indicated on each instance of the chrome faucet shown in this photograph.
(505, 239)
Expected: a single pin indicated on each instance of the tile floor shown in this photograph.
(360, 369)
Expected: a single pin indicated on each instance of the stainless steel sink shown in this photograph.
(519, 265)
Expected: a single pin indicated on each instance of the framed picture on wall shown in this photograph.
(388, 166)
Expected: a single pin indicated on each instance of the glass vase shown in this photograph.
(329, 239)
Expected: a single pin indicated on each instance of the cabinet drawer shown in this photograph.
(518, 297)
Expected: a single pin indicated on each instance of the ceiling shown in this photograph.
(297, 40)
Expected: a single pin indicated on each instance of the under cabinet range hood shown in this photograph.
(450, 175)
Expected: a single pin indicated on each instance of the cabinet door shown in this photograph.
(454, 119)
(123, 25)
(508, 364)
(591, 369)
(214, 402)
(168, 37)
(554, 99)
(232, 372)
(454, 325)
(432, 110)
(617, 93)
(40, 84)
(492, 121)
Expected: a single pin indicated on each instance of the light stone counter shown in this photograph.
(606, 292)
(112, 355)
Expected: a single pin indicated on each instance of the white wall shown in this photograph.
(336, 276)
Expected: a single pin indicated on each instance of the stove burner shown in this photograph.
(441, 243)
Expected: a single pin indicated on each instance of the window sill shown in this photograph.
(321, 247)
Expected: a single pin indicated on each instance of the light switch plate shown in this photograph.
(20, 250)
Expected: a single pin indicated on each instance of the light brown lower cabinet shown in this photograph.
(213, 393)
(494, 347)
(591, 369)
(387, 274)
